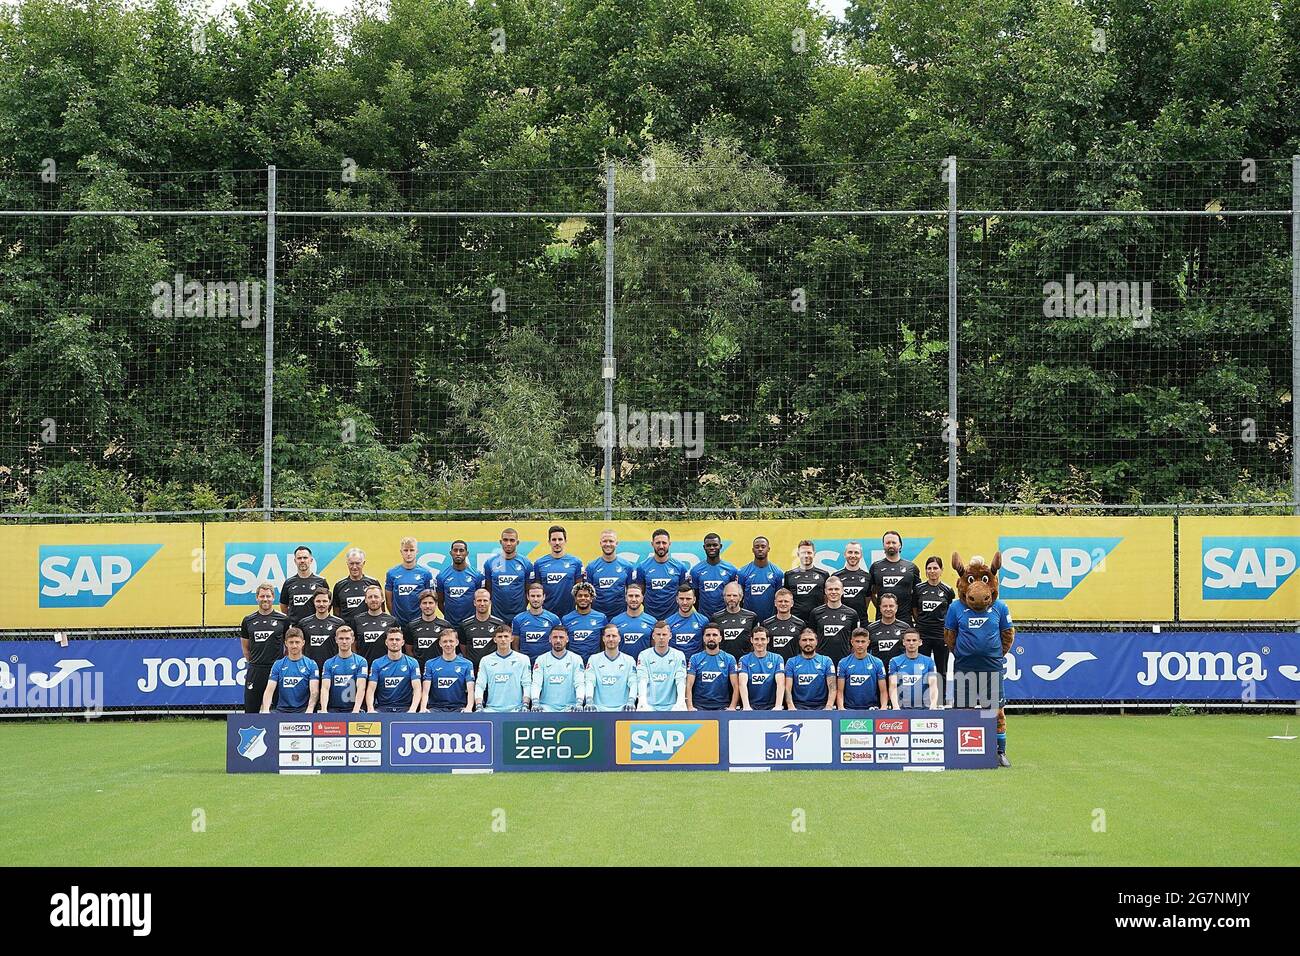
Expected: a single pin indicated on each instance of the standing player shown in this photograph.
(504, 678)
(610, 575)
(912, 678)
(424, 634)
(372, 624)
(611, 675)
(394, 685)
(457, 583)
(296, 677)
(478, 631)
(558, 573)
(661, 674)
(262, 636)
(634, 625)
(350, 592)
(662, 576)
(296, 592)
(760, 675)
(807, 582)
(582, 623)
(887, 633)
(405, 583)
(810, 677)
(834, 621)
(506, 575)
(735, 621)
(711, 675)
(930, 603)
(687, 624)
(894, 574)
(979, 632)
(783, 627)
(861, 676)
(533, 625)
(559, 678)
(319, 629)
(710, 576)
(856, 579)
(448, 680)
(760, 580)
(343, 678)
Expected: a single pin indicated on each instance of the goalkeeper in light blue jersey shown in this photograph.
(503, 677)
(611, 675)
(661, 674)
(559, 680)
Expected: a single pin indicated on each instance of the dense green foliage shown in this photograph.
(398, 386)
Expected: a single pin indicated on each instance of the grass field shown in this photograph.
(1202, 790)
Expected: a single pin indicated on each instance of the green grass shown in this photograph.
(1205, 790)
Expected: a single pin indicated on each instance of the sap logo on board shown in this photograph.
(88, 575)
(249, 563)
(1049, 568)
(1247, 568)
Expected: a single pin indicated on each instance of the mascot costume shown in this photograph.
(979, 633)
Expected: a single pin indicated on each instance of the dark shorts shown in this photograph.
(255, 678)
(799, 706)
(398, 709)
(978, 690)
(710, 706)
(447, 708)
(291, 710)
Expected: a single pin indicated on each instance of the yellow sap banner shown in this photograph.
(1239, 569)
(101, 576)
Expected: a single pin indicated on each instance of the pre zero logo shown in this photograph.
(88, 575)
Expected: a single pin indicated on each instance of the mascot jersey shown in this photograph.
(979, 635)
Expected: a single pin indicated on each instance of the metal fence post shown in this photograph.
(1295, 333)
(607, 370)
(951, 431)
(269, 359)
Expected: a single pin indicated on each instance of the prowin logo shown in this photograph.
(249, 563)
(88, 575)
(1246, 568)
(1049, 568)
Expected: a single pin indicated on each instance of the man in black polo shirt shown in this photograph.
(806, 582)
(372, 625)
(318, 630)
(735, 621)
(350, 592)
(783, 627)
(894, 574)
(834, 622)
(296, 593)
(856, 578)
(887, 633)
(424, 632)
(262, 636)
(477, 631)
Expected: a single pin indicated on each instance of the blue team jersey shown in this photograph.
(584, 632)
(810, 679)
(611, 682)
(406, 585)
(340, 675)
(394, 681)
(687, 632)
(759, 587)
(506, 578)
(979, 636)
(759, 674)
(861, 681)
(913, 682)
(708, 581)
(712, 687)
(558, 576)
(661, 581)
(635, 633)
(448, 682)
(610, 579)
(534, 632)
(456, 591)
(294, 679)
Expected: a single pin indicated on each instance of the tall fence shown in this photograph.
(668, 336)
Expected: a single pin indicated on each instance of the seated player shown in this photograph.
(861, 675)
(810, 677)
(394, 685)
(711, 675)
(913, 680)
(448, 679)
(343, 678)
(559, 678)
(584, 623)
(661, 674)
(296, 677)
(611, 675)
(760, 675)
(504, 683)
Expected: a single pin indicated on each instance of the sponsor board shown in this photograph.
(295, 729)
(298, 744)
(329, 744)
(857, 756)
(927, 756)
(328, 759)
(857, 725)
(551, 743)
(857, 740)
(927, 725)
(891, 725)
(891, 756)
(329, 728)
(364, 728)
(650, 742)
(364, 744)
(1239, 568)
(365, 760)
(295, 759)
(466, 743)
(779, 741)
(970, 740)
(927, 740)
(891, 740)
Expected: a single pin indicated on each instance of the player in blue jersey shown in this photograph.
(506, 575)
(979, 632)
(661, 674)
(583, 623)
(610, 575)
(687, 624)
(559, 677)
(296, 677)
(448, 679)
(343, 678)
(761, 580)
(634, 625)
(711, 675)
(861, 675)
(611, 675)
(810, 677)
(760, 675)
(533, 625)
(913, 680)
(661, 575)
(710, 576)
(504, 682)
(558, 573)
(394, 684)
(404, 582)
(457, 583)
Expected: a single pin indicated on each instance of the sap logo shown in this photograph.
(506, 580)
(502, 678)
(731, 633)
(89, 575)
(390, 682)
(929, 605)
(457, 592)
(609, 680)
(891, 580)
(857, 680)
(1201, 665)
(249, 563)
(555, 577)
(606, 583)
(805, 588)
(290, 681)
(976, 622)
(556, 679)
(424, 643)
(759, 588)
(853, 590)
(342, 680)
(318, 639)
(191, 672)
(709, 677)
(649, 743)
(710, 586)
(1049, 568)
(481, 642)
(757, 677)
(659, 677)
(806, 679)
(1247, 568)
(406, 588)
(445, 682)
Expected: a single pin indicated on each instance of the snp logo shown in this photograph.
(1049, 568)
(89, 575)
(249, 563)
(1246, 568)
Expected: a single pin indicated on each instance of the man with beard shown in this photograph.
(424, 634)
(760, 580)
(710, 576)
(372, 625)
(533, 625)
(894, 574)
(783, 627)
(687, 624)
(735, 621)
(634, 625)
(810, 677)
(806, 582)
(887, 633)
(583, 623)
(662, 576)
(262, 636)
(711, 675)
(296, 593)
(318, 630)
